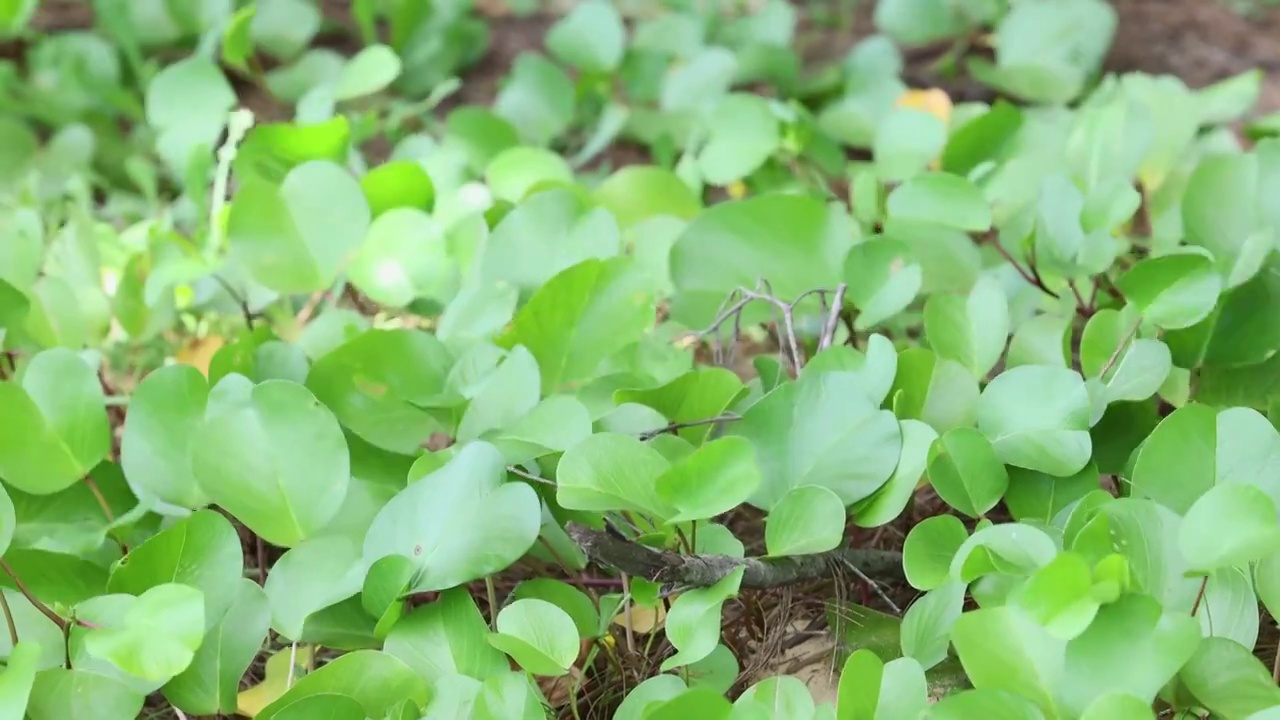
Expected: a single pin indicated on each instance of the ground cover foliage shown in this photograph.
(368, 402)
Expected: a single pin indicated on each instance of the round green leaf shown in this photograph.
(973, 330)
(459, 523)
(890, 500)
(369, 71)
(547, 233)
(808, 519)
(965, 471)
(405, 257)
(714, 479)
(693, 622)
(400, 183)
(638, 192)
(165, 414)
(445, 638)
(210, 683)
(53, 430)
(1229, 525)
(929, 548)
(883, 279)
(935, 390)
(609, 471)
(744, 134)
(294, 237)
(376, 680)
(275, 458)
(538, 635)
(591, 38)
(1173, 291)
(940, 198)
(61, 694)
(158, 635)
(538, 99)
(515, 171)
(906, 141)
(700, 82)
(1038, 418)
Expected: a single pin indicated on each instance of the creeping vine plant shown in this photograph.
(357, 407)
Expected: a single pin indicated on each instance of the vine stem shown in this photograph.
(1124, 342)
(57, 619)
(8, 618)
(238, 125)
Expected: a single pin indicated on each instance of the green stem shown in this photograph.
(8, 618)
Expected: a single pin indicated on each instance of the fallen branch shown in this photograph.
(705, 570)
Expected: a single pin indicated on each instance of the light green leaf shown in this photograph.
(165, 413)
(808, 519)
(513, 173)
(889, 501)
(158, 635)
(460, 523)
(538, 635)
(60, 694)
(582, 316)
(940, 198)
(371, 70)
(702, 393)
(608, 471)
(714, 479)
(1222, 212)
(1173, 291)
(926, 626)
(1118, 706)
(1229, 525)
(1038, 418)
(636, 193)
(929, 549)
(973, 330)
(54, 429)
(295, 237)
(274, 457)
(821, 430)
(700, 82)
(1225, 678)
(209, 684)
(538, 99)
(938, 391)
(591, 37)
(965, 471)
(547, 233)
(693, 622)
(907, 141)
(17, 680)
(374, 679)
(1002, 648)
(883, 279)
(405, 257)
(744, 134)
(445, 638)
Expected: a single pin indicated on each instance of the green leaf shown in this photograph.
(985, 703)
(795, 242)
(1173, 291)
(209, 684)
(274, 457)
(714, 479)
(965, 471)
(158, 634)
(54, 428)
(1009, 548)
(636, 193)
(405, 257)
(237, 40)
(1228, 526)
(17, 679)
(883, 279)
(700, 82)
(876, 368)
(907, 141)
(547, 233)
(377, 382)
(573, 601)
(538, 635)
(371, 70)
(608, 471)
(582, 316)
(60, 694)
(940, 198)
(808, 519)
(1220, 212)
(201, 550)
(295, 237)
(887, 503)
(165, 414)
(186, 104)
(591, 37)
(1002, 648)
(926, 626)
(929, 549)
(445, 638)
(1038, 418)
(315, 575)
(271, 150)
(744, 134)
(460, 523)
(538, 99)
(1060, 596)
(702, 393)
(1117, 706)
(398, 184)
(1225, 678)
(515, 174)
(821, 430)
(973, 330)
(935, 390)
(693, 622)
(1038, 496)
(374, 679)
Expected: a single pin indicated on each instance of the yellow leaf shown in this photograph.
(736, 190)
(644, 620)
(934, 101)
(198, 352)
(251, 702)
